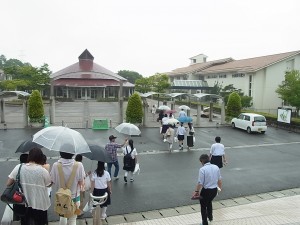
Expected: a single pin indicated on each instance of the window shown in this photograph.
(250, 86)
(238, 75)
(222, 76)
(212, 76)
(247, 118)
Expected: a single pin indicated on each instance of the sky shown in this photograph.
(146, 36)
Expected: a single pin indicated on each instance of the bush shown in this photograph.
(35, 107)
(234, 105)
(134, 111)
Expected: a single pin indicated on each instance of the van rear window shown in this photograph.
(259, 119)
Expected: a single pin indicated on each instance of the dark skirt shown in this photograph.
(100, 192)
(164, 129)
(217, 160)
(30, 216)
(190, 141)
(180, 137)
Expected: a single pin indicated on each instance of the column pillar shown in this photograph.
(198, 114)
(223, 112)
(2, 105)
(121, 100)
(211, 104)
(25, 113)
(52, 103)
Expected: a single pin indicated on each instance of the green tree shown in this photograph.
(134, 111)
(142, 85)
(35, 107)
(289, 90)
(234, 105)
(131, 76)
(159, 82)
(246, 101)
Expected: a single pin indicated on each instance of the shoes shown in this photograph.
(125, 179)
(131, 180)
(210, 219)
(116, 178)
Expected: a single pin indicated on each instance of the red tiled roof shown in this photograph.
(89, 83)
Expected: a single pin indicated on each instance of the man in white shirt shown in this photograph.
(182, 113)
(209, 180)
(217, 153)
(180, 135)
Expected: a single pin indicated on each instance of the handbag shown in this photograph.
(13, 194)
(137, 169)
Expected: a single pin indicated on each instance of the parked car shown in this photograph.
(205, 113)
(250, 122)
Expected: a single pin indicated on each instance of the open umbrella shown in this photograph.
(173, 121)
(185, 107)
(97, 153)
(26, 146)
(185, 119)
(63, 139)
(128, 129)
(170, 111)
(164, 107)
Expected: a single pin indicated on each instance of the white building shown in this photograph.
(257, 77)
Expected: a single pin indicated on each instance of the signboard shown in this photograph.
(284, 115)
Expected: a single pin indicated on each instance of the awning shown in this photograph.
(89, 83)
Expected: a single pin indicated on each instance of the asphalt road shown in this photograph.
(257, 164)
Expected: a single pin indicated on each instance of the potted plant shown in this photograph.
(134, 112)
(36, 109)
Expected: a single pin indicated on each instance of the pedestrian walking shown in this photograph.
(190, 136)
(153, 111)
(101, 183)
(160, 116)
(180, 135)
(78, 158)
(34, 180)
(111, 148)
(217, 153)
(209, 180)
(129, 151)
(182, 113)
(170, 136)
(165, 126)
(67, 163)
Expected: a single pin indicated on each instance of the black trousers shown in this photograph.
(206, 197)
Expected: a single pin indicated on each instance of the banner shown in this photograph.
(284, 115)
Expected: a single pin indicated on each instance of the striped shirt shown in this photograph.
(111, 149)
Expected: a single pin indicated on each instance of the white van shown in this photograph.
(250, 122)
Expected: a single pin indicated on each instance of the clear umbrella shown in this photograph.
(173, 121)
(164, 107)
(185, 107)
(62, 139)
(128, 129)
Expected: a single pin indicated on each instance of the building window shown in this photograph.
(250, 86)
(222, 76)
(238, 75)
(211, 76)
(290, 65)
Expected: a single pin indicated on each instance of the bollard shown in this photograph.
(87, 124)
(110, 125)
(62, 123)
(5, 126)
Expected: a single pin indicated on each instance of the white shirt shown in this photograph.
(182, 114)
(209, 175)
(133, 153)
(101, 182)
(181, 130)
(34, 180)
(165, 120)
(67, 166)
(217, 149)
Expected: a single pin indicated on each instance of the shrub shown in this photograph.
(134, 111)
(35, 107)
(234, 105)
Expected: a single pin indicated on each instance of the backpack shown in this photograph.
(128, 160)
(64, 205)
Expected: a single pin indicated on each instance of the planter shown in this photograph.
(36, 125)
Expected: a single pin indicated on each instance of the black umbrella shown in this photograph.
(97, 153)
(26, 146)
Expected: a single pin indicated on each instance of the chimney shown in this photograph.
(86, 61)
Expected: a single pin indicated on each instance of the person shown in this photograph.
(111, 149)
(47, 167)
(160, 116)
(34, 180)
(170, 136)
(171, 116)
(153, 111)
(190, 136)
(101, 183)
(217, 153)
(67, 162)
(78, 158)
(127, 149)
(182, 113)
(165, 126)
(209, 180)
(180, 135)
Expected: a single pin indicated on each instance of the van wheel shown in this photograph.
(248, 130)
(263, 132)
(233, 125)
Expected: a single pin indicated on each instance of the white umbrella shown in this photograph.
(62, 139)
(128, 129)
(173, 121)
(185, 107)
(164, 107)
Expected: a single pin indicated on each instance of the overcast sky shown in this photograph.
(146, 36)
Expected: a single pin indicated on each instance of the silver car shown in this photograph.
(250, 122)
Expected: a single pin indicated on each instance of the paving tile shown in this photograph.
(168, 212)
(254, 198)
(133, 217)
(152, 214)
(265, 196)
(196, 207)
(228, 202)
(277, 194)
(116, 219)
(216, 205)
(241, 201)
(186, 209)
(288, 192)
(296, 190)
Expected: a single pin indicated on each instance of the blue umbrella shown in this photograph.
(185, 119)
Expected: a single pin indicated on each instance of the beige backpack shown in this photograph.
(64, 205)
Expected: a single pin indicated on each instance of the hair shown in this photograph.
(35, 155)
(218, 139)
(78, 158)
(44, 159)
(190, 125)
(171, 114)
(166, 115)
(23, 158)
(100, 169)
(181, 124)
(66, 155)
(204, 158)
(130, 142)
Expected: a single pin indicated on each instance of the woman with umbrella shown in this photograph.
(129, 149)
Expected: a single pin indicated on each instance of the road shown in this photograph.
(257, 164)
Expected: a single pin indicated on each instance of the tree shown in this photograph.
(35, 107)
(142, 85)
(234, 105)
(289, 90)
(246, 101)
(159, 82)
(131, 76)
(134, 111)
